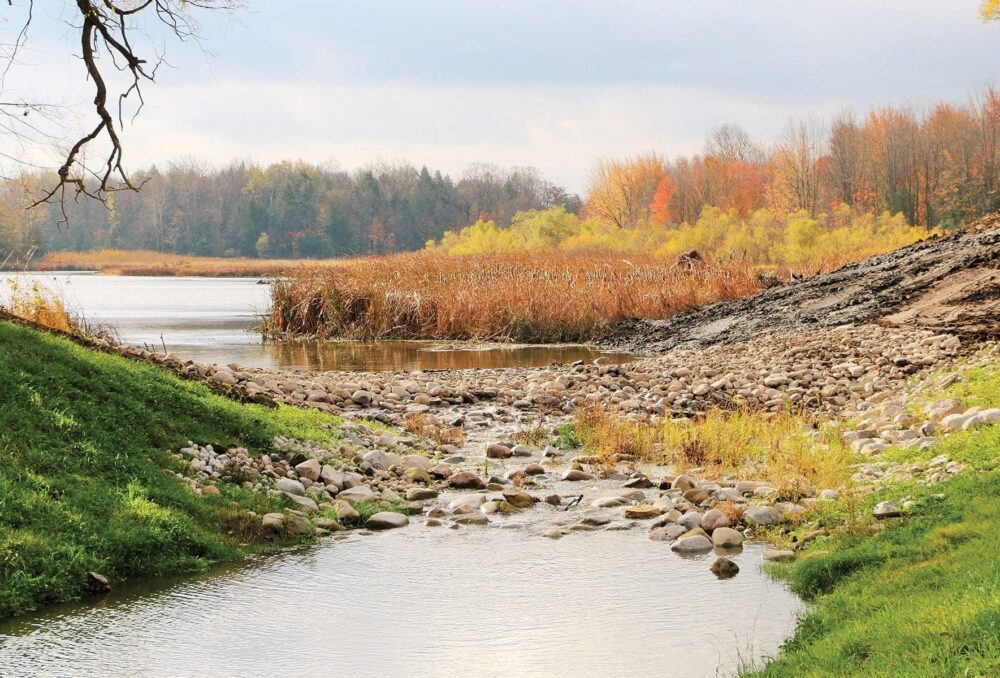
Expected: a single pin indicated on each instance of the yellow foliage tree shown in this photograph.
(621, 191)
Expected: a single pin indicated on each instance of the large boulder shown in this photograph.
(761, 515)
(359, 493)
(466, 480)
(387, 520)
(726, 537)
(310, 469)
(289, 486)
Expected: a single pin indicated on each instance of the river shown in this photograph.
(421, 601)
(212, 320)
(493, 601)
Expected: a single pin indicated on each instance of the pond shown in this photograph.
(422, 601)
(212, 320)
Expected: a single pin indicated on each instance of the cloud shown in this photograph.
(561, 130)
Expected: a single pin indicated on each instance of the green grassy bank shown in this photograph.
(921, 597)
(85, 481)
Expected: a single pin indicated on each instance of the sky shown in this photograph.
(554, 84)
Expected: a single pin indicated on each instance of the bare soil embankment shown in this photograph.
(947, 284)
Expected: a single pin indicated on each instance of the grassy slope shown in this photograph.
(921, 598)
(83, 486)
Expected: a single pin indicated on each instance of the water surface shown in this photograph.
(427, 602)
(212, 320)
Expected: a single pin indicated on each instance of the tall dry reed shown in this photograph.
(544, 296)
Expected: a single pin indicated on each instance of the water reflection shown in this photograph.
(212, 319)
(427, 602)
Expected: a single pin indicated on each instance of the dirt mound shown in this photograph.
(947, 284)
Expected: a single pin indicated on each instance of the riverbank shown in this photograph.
(914, 591)
(152, 263)
(84, 440)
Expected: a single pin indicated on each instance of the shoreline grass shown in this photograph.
(86, 480)
(152, 263)
(920, 597)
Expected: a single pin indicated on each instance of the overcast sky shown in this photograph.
(549, 83)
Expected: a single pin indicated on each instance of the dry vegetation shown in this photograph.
(778, 448)
(148, 262)
(36, 303)
(548, 296)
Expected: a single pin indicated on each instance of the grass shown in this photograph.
(921, 597)
(775, 447)
(501, 297)
(148, 262)
(86, 480)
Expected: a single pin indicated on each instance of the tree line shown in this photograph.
(288, 209)
(939, 167)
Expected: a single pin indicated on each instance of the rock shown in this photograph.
(505, 507)
(273, 522)
(420, 494)
(596, 521)
(332, 477)
(471, 519)
(724, 568)
(432, 522)
(417, 475)
(726, 537)
(690, 520)
(683, 483)
(692, 541)
(466, 480)
(303, 503)
(361, 397)
(778, 555)
(534, 470)
(575, 474)
(498, 451)
(415, 461)
(467, 503)
(210, 490)
(310, 469)
(714, 519)
(98, 583)
(609, 502)
(329, 524)
(520, 451)
(639, 483)
(359, 493)
(747, 486)
(696, 495)
(441, 471)
(224, 377)
(666, 533)
(553, 499)
(518, 499)
(761, 515)
(378, 459)
(345, 511)
(554, 533)
(642, 512)
(298, 525)
(387, 520)
(887, 509)
(289, 486)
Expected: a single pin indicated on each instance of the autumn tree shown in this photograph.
(621, 192)
(659, 209)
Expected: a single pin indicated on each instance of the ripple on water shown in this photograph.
(426, 602)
